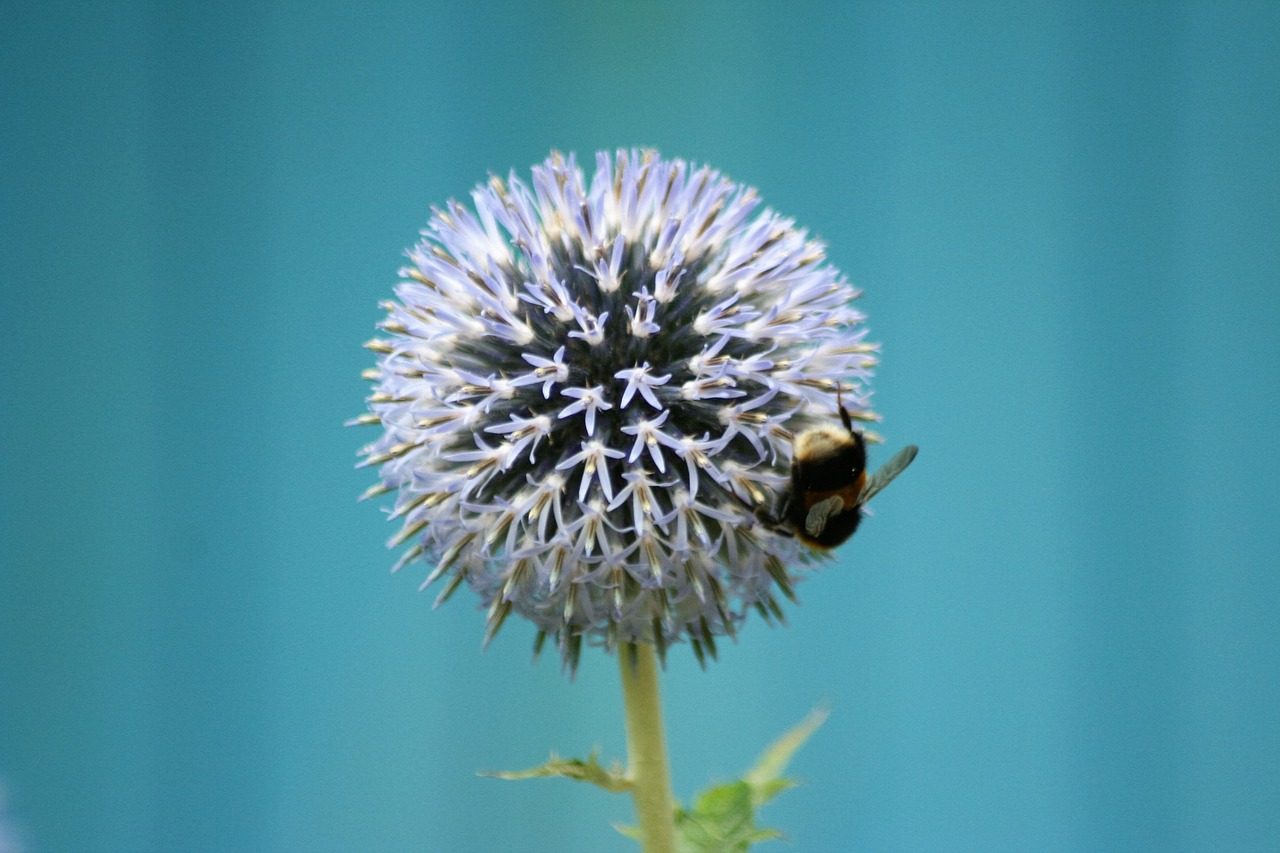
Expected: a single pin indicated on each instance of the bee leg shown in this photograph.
(760, 514)
(773, 522)
(785, 508)
(770, 522)
(775, 527)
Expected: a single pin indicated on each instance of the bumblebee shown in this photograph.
(822, 505)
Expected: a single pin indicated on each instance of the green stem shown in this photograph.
(647, 749)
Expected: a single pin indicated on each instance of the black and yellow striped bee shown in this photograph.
(822, 505)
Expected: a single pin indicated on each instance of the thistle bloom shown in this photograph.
(583, 386)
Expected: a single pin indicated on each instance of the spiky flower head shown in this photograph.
(584, 384)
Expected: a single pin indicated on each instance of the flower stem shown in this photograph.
(647, 749)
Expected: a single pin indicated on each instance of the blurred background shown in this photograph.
(1059, 632)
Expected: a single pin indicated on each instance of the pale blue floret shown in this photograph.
(641, 379)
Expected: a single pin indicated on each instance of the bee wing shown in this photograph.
(887, 472)
(816, 521)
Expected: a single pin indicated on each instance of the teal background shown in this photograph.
(1060, 632)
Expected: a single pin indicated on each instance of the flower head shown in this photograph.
(584, 385)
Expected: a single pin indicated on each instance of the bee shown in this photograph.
(822, 505)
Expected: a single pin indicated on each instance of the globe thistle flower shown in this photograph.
(584, 386)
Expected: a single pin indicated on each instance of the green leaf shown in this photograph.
(722, 819)
(765, 778)
(766, 791)
(614, 779)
